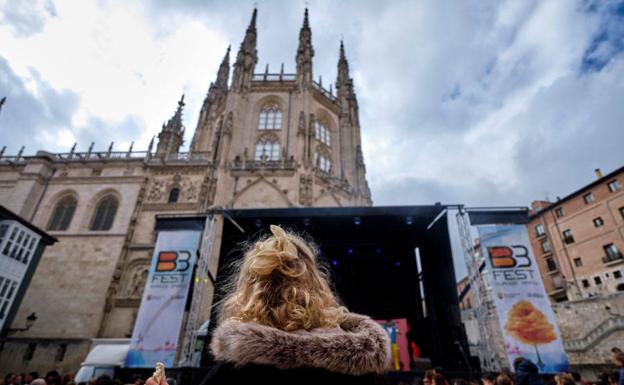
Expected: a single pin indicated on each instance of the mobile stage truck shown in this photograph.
(392, 263)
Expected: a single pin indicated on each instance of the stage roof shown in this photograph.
(420, 216)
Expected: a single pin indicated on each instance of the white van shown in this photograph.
(105, 357)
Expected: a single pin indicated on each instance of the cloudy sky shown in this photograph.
(477, 102)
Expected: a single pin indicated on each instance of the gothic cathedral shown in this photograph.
(262, 140)
(276, 139)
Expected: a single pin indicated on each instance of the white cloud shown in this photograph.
(107, 54)
(456, 83)
(477, 102)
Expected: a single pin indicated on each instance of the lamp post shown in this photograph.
(30, 320)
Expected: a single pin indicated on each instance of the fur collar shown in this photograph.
(358, 346)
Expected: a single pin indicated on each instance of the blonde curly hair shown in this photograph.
(279, 284)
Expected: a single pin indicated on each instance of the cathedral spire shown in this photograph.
(306, 23)
(175, 123)
(343, 58)
(246, 58)
(224, 71)
(305, 52)
(343, 81)
(171, 134)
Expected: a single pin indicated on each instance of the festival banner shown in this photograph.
(526, 318)
(157, 328)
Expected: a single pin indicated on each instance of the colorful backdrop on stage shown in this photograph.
(397, 331)
(157, 328)
(528, 324)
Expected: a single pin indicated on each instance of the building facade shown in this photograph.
(579, 240)
(261, 140)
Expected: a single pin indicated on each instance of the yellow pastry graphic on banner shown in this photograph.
(529, 325)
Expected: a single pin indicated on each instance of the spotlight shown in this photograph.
(409, 220)
(357, 220)
(334, 262)
(350, 250)
(258, 222)
(397, 264)
(378, 250)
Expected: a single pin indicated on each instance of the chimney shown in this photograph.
(598, 173)
(539, 205)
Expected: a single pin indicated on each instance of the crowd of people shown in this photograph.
(33, 378)
(54, 378)
(527, 373)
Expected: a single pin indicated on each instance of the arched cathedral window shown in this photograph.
(62, 214)
(104, 213)
(267, 148)
(270, 118)
(322, 160)
(321, 132)
(174, 194)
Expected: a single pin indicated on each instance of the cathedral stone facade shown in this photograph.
(262, 140)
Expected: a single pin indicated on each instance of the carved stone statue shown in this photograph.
(301, 127)
(139, 278)
(156, 191)
(191, 191)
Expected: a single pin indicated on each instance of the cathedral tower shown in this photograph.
(280, 139)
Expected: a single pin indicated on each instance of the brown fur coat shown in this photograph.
(359, 346)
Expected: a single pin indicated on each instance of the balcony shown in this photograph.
(270, 165)
(546, 247)
(327, 93)
(12, 159)
(149, 157)
(568, 239)
(98, 155)
(189, 157)
(613, 259)
(272, 77)
(557, 284)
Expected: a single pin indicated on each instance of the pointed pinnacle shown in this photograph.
(252, 23)
(342, 50)
(306, 23)
(181, 102)
(226, 58)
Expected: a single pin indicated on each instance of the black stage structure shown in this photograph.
(371, 256)
(386, 262)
